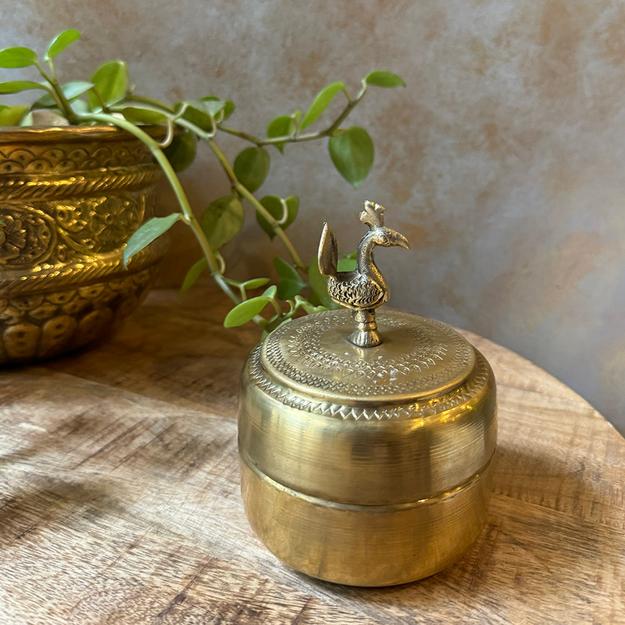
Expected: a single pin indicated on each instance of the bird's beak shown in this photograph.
(399, 240)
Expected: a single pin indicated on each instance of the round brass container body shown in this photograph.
(69, 199)
(366, 467)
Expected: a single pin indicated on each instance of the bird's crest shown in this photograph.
(372, 215)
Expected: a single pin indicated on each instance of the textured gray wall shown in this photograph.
(502, 161)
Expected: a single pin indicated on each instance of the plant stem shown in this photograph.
(57, 93)
(258, 207)
(176, 117)
(157, 106)
(246, 136)
(187, 213)
(140, 99)
(170, 114)
(309, 136)
(103, 105)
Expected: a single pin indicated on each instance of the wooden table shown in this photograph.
(119, 498)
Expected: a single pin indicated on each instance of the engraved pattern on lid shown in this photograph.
(471, 389)
(418, 358)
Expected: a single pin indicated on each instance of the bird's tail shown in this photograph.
(327, 256)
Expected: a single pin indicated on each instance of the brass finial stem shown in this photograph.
(366, 333)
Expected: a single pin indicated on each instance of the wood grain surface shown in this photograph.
(119, 499)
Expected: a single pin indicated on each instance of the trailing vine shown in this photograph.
(108, 98)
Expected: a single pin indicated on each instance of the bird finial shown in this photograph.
(364, 288)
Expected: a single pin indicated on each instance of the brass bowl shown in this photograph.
(69, 199)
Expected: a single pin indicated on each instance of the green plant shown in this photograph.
(108, 98)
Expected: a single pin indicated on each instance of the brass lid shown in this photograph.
(417, 358)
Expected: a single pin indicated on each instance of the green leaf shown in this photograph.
(76, 88)
(321, 102)
(319, 285)
(229, 109)
(195, 271)
(352, 153)
(347, 263)
(17, 57)
(255, 283)
(284, 211)
(213, 106)
(382, 78)
(138, 115)
(251, 167)
(222, 220)
(71, 90)
(110, 80)
(27, 120)
(45, 101)
(60, 42)
(206, 112)
(290, 283)
(282, 126)
(11, 115)
(245, 311)
(181, 151)
(79, 106)
(197, 115)
(226, 109)
(270, 291)
(15, 86)
(148, 232)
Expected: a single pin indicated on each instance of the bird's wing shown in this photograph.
(327, 256)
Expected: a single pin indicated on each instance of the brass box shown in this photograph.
(366, 465)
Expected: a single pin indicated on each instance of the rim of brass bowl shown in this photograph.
(44, 134)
